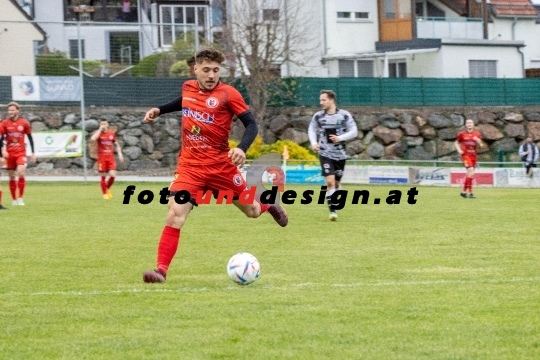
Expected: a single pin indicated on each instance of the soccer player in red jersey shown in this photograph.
(106, 141)
(2, 162)
(466, 143)
(205, 161)
(14, 129)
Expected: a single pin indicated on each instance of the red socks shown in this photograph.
(110, 182)
(22, 182)
(103, 185)
(264, 207)
(467, 184)
(168, 244)
(13, 189)
(0, 196)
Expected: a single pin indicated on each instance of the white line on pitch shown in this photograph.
(271, 286)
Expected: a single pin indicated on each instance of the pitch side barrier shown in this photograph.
(407, 172)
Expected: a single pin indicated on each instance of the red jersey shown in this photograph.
(105, 144)
(15, 132)
(468, 141)
(206, 122)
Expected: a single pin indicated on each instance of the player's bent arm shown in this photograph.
(251, 131)
(95, 135)
(312, 132)
(457, 144)
(171, 106)
(119, 152)
(351, 133)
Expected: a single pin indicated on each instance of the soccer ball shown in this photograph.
(243, 268)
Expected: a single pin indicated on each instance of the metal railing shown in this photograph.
(449, 28)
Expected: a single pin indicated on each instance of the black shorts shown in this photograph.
(332, 167)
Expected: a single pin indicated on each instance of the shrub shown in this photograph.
(296, 152)
(179, 69)
(56, 65)
(154, 65)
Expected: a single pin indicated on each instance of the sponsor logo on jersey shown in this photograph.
(197, 115)
(196, 134)
(212, 102)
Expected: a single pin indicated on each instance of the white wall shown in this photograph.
(349, 37)
(17, 42)
(525, 30)
(428, 65)
(50, 15)
(456, 60)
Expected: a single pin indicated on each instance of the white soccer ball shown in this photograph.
(243, 268)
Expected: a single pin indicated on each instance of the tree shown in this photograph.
(261, 36)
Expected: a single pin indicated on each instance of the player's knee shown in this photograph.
(253, 211)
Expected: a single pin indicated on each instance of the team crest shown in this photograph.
(212, 102)
(20, 128)
(111, 137)
(238, 180)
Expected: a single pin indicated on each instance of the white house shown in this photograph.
(429, 38)
(18, 38)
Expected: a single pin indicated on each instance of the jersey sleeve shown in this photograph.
(459, 137)
(478, 135)
(236, 102)
(27, 128)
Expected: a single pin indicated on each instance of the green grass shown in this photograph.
(446, 278)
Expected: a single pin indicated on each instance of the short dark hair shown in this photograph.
(331, 95)
(209, 54)
(191, 61)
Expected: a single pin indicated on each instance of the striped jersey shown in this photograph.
(323, 125)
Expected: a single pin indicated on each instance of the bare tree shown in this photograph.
(260, 37)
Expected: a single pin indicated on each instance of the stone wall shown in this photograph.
(384, 133)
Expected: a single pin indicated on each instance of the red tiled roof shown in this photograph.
(513, 8)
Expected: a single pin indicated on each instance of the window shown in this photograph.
(355, 68)
(270, 14)
(352, 16)
(389, 8)
(74, 48)
(482, 68)
(178, 21)
(364, 68)
(397, 70)
(346, 68)
(427, 9)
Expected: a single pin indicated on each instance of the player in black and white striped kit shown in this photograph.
(328, 131)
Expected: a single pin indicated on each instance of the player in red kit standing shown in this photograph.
(2, 162)
(106, 142)
(466, 143)
(205, 161)
(15, 129)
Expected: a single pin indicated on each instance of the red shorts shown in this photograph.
(469, 160)
(106, 164)
(15, 160)
(215, 177)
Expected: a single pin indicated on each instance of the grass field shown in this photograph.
(446, 278)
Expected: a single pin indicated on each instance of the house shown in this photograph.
(151, 26)
(425, 38)
(100, 24)
(18, 38)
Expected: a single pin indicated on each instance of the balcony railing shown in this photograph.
(449, 28)
(100, 13)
